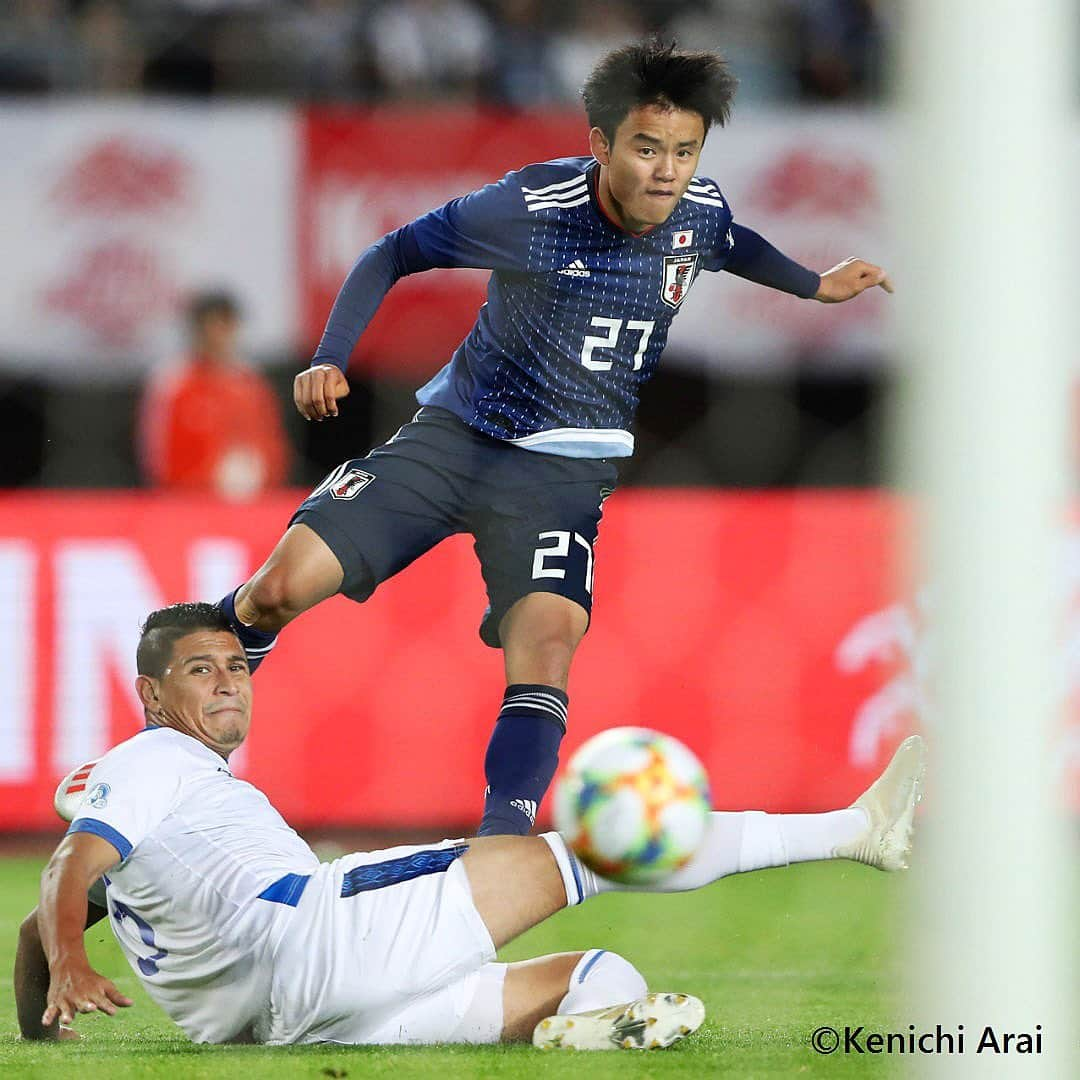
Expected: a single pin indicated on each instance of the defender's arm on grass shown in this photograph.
(32, 977)
(53, 977)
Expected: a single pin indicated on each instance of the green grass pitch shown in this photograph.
(773, 955)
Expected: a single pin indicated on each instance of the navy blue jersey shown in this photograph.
(578, 309)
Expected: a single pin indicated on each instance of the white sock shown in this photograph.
(578, 881)
(808, 837)
(734, 843)
(600, 980)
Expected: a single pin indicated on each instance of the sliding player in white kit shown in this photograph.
(241, 935)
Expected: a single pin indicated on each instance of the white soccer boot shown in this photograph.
(890, 805)
(650, 1023)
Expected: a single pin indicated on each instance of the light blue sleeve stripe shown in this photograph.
(106, 832)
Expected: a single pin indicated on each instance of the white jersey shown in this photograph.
(207, 884)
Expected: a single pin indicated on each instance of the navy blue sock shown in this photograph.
(257, 643)
(522, 757)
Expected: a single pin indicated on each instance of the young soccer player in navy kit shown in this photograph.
(515, 440)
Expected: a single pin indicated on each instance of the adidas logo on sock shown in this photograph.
(526, 806)
(576, 269)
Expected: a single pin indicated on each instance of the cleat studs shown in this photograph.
(684, 1030)
(650, 1021)
(545, 1024)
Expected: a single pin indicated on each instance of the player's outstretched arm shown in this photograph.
(849, 278)
(32, 978)
(317, 391)
(74, 986)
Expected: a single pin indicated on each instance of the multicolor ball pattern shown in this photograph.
(633, 805)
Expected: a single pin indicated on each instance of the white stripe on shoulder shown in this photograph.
(559, 196)
(703, 186)
(555, 187)
(704, 201)
(580, 185)
(582, 198)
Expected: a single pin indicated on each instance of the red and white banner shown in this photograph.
(814, 184)
(113, 213)
(364, 174)
(769, 636)
(810, 182)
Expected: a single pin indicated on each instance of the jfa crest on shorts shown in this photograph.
(350, 484)
(535, 517)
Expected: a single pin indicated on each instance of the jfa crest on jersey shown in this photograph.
(679, 271)
(577, 311)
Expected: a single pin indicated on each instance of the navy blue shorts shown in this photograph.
(534, 516)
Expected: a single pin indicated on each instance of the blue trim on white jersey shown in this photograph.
(106, 832)
(286, 890)
(394, 871)
(577, 876)
(589, 966)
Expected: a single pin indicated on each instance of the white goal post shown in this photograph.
(987, 294)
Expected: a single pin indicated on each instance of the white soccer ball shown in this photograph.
(633, 805)
(72, 790)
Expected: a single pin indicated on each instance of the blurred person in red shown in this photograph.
(210, 422)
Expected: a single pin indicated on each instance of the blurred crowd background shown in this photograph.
(517, 53)
(768, 426)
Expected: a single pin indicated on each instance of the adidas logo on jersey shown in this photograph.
(527, 807)
(576, 269)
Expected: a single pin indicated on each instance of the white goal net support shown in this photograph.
(985, 198)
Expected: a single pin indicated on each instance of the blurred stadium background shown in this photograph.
(748, 599)
(158, 151)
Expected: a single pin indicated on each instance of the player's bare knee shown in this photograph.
(273, 597)
(543, 660)
(540, 649)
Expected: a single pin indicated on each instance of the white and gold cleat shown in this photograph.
(890, 803)
(650, 1023)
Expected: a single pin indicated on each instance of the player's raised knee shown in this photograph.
(539, 635)
(545, 662)
(275, 595)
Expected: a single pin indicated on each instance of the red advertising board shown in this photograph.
(764, 630)
(364, 173)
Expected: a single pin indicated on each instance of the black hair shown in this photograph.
(216, 302)
(653, 72)
(164, 627)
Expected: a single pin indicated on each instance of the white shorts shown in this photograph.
(387, 947)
